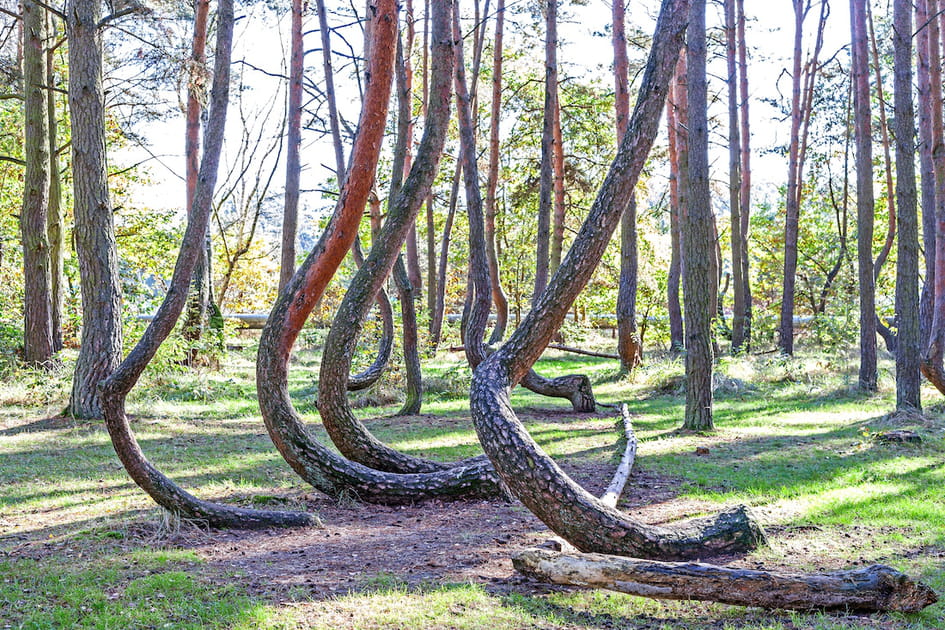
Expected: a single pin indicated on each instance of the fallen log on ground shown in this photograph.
(876, 588)
(615, 488)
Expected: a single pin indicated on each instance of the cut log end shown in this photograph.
(876, 588)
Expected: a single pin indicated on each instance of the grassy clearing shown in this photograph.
(81, 546)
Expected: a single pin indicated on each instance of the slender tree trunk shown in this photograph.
(862, 122)
(54, 227)
(629, 348)
(924, 72)
(436, 322)
(94, 227)
(677, 187)
(932, 359)
(557, 163)
(791, 209)
(492, 179)
(293, 163)
(38, 343)
(734, 180)
(887, 159)
(196, 315)
(412, 257)
(908, 355)
(546, 172)
(744, 201)
(697, 232)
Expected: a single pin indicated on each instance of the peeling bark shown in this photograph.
(876, 588)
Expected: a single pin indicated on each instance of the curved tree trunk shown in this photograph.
(314, 462)
(94, 226)
(38, 343)
(116, 388)
(576, 388)
(698, 235)
(531, 475)
(366, 378)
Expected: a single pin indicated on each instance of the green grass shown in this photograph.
(794, 439)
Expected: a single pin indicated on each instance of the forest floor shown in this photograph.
(81, 546)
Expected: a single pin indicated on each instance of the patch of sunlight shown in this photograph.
(805, 505)
(445, 440)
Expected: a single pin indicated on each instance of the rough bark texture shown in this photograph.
(293, 163)
(862, 124)
(492, 179)
(38, 345)
(734, 180)
(315, 463)
(908, 354)
(876, 588)
(697, 235)
(531, 475)
(926, 170)
(116, 388)
(94, 227)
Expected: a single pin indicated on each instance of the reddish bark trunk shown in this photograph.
(927, 171)
(745, 192)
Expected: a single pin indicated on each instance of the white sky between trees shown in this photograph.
(262, 40)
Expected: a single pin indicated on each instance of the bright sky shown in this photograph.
(770, 35)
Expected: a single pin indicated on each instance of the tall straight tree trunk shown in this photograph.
(697, 232)
(546, 172)
(932, 358)
(439, 312)
(679, 171)
(499, 299)
(412, 257)
(558, 205)
(38, 343)
(54, 228)
(734, 181)
(94, 226)
(862, 123)
(628, 342)
(744, 200)
(200, 287)
(908, 354)
(926, 169)
(293, 162)
(791, 209)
